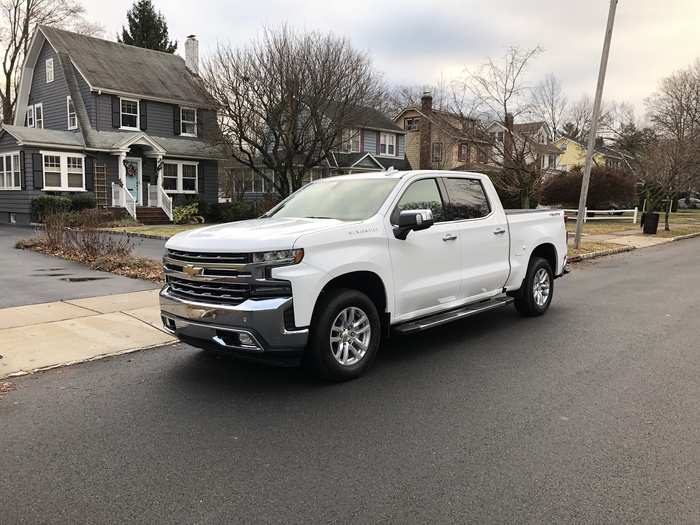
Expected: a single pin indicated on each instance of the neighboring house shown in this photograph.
(573, 155)
(442, 140)
(371, 142)
(531, 139)
(127, 123)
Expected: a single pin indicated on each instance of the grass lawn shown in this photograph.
(591, 246)
(161, 230)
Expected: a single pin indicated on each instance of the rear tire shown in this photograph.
(344, 337)
(535, 294)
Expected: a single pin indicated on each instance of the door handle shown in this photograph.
(499, 231)
(449, 237)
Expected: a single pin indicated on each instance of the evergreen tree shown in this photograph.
(147, 28)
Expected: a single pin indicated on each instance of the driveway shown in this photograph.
(30, 278)
(586, 415)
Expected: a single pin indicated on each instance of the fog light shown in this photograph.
(246, 340)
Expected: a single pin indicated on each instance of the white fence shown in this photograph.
(604, 215)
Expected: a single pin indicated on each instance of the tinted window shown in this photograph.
(467, 199)
(422, 195)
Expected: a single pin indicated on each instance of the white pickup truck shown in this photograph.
(342, 263)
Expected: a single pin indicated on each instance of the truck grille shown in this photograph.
(209, 292)
(203, 258)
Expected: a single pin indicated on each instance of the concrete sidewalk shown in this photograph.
(42, 336)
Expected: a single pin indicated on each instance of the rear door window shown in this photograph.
(466, 199)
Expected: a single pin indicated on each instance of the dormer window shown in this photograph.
(387, 144)
(129, 114)
(188, 122)
(49, 70)
(351, 141)
(35, 116)
(72, 118)
(30, 117)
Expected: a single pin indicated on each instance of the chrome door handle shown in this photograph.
(449, 237)
(499, 231)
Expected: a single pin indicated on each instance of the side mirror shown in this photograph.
(415, 220)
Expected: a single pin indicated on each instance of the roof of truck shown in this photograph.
(395, 174)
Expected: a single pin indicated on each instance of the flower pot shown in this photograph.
(650, 222)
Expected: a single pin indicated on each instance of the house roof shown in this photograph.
(349, 160)
(45, 137)
(366, 117)
(441, 119)
(528, 128)
(128, 70)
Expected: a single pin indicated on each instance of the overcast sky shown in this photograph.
(418, 41)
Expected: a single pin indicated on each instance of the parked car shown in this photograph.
(345, 261)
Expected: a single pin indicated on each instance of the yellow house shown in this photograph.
(573, 154)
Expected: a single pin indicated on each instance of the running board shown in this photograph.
(453, 315)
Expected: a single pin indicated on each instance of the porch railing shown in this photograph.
(158, 197)
(122, 198)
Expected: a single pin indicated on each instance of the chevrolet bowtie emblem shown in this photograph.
(192, 271)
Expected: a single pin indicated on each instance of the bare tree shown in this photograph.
(501, 88)
(549, 103)
(674, 111)
(18, 18)
(285, 100)
(578, 119)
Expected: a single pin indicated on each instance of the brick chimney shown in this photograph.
(192, 54)
(425, 159)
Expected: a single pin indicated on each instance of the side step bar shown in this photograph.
(453, 315)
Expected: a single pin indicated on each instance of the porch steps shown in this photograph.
(151, 215)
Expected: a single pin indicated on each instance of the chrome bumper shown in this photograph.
(252, 327)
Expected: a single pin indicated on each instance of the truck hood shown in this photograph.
(254, 235)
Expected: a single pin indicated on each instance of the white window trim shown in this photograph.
(38, 105)
(75, 115)
(352, 135)
(382, 141)
(180, 164)
(63, 155)
(30, 117)
(182, 121)
(138, 114)
(49, 62)
(12, 174)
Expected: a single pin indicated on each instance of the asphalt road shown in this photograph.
(590, 414)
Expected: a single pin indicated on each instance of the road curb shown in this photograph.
(601, 253)
(687, 236)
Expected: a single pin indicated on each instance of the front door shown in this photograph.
(133, 178)
(427, 266)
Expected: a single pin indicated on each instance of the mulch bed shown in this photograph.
(126, 266)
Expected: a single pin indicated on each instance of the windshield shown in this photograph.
(345, 200)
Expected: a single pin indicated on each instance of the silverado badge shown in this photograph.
(192, 271)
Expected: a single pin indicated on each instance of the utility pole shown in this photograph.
(594, 124)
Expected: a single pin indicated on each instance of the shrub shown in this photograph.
(187, 214)
(45, 205)
(82, 201)
(236, 211)
(55, 230)
(92, 242)
(608, 189)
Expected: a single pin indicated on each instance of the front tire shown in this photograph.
(345, 335)
(535, 294)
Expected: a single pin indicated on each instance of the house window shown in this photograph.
(30, 117)
(63, 171)
(10, 171)
(437, 152)
(387, 144)
(411, 124)
(351, 141)
(39, 115)
(464, 152)
(552, 161)
(72, 118)
(188, 122)
(129, 114)
(499, 136)
(49, 70)
(180, 177)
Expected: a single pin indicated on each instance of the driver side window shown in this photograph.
(421, 195)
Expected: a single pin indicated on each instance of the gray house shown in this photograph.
(129, 124)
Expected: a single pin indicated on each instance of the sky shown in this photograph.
(418, 42)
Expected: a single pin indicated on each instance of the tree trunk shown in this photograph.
(524, 200)
(8, 116)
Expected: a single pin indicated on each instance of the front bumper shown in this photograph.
(254, 328)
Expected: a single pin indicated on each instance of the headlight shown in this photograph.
(279, 257)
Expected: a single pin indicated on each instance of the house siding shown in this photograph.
(52, 95)
(19, 202)
(369, 141)
(88, 98)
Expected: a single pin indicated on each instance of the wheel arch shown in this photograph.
(548, 252)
